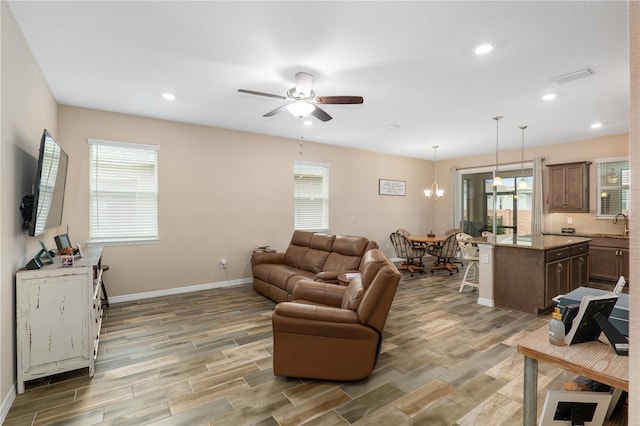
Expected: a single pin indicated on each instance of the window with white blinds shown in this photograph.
(311, 196)
(613, 180)
(123, 192)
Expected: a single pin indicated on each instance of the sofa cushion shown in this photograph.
(280, 274)
(353, 294)
(349, 245)
(339, 262)
(294, 256)
(313, 260)
(301, 238)
(322, 242)
(294, 279)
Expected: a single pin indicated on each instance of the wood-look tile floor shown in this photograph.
(204, 358)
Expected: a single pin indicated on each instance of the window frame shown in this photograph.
(320, 223)
(620, 187)
(144, 191)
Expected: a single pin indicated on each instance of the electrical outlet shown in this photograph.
(569, 221)
(223, 263)
(485, 258)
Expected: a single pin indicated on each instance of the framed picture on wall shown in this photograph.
(392, 187)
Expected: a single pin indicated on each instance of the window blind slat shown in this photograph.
(311, 196)
(123, 194)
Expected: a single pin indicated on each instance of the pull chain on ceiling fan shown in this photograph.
(304, 99)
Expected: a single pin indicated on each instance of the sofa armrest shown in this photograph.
(322, 293)
(316, 313)
(332, 276)
(262, 257)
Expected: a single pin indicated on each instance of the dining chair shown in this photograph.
(410, 254)
(446, 253)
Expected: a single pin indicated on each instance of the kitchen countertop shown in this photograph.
(535, 242)
(589, 235)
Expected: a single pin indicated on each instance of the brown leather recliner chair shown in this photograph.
(334, 332)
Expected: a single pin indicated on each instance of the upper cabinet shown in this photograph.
(569, 187)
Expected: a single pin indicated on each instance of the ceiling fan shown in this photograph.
(304, 99)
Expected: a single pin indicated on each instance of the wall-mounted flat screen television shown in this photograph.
(48, 197)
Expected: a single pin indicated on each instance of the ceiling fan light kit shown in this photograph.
(300, 109)
(305, 100)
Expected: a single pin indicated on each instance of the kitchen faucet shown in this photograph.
(626, 222)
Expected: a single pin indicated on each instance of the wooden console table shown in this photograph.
(595, 360)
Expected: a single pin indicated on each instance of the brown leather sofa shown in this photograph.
(334, 332)
(310, 256)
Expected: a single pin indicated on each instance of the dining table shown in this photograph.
(427, 239)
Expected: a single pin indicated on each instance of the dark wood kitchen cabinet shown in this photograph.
(569, 187)
(579, 276)
(609, 259)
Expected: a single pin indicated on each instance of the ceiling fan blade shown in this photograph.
(269, 95)
(276, 111)
(339, 99)
(320, 114)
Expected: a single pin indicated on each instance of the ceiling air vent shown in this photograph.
(561, 79)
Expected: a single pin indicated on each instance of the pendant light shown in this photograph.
(523, 182)
(434, 192)
(497, 180)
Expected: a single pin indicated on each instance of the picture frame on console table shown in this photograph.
(392, 187)
(584, 327)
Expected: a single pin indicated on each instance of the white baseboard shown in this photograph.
(486, 302)
(178, 290)
(7, 402)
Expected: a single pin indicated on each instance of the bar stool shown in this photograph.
(471, 254)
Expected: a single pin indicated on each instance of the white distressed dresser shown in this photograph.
(58, 317)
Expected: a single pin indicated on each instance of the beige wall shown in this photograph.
(27, 107)
(585, 150)
(223, 192)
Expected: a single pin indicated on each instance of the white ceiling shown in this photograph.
(413, 63)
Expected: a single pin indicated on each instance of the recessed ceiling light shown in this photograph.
(549, 97)
(596, 125)
(168, 96)
(308, 123)
(483, 49)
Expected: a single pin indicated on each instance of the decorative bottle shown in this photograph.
(556, 328)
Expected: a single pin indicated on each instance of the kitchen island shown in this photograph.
(529, 271)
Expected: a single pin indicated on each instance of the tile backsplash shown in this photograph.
(584, 223)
